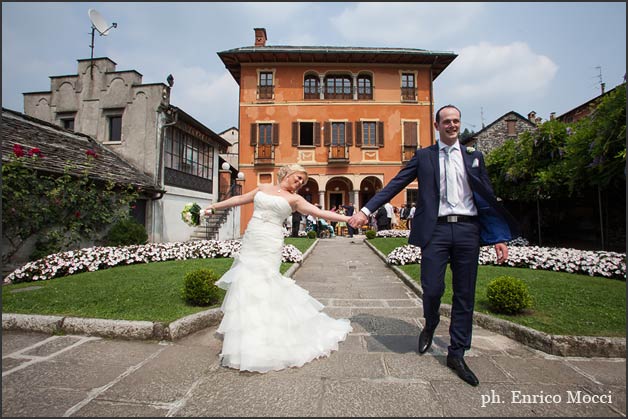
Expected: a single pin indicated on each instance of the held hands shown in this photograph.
(502, 252)
(358, 219)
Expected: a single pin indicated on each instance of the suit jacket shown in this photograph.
(497, 225)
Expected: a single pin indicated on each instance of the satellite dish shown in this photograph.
(99, 23)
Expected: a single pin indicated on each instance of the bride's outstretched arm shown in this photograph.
(234, 201)
(306, 208)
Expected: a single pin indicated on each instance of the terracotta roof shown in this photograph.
(60, 146)
(233, 58)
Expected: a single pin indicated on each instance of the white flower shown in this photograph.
(470, 150)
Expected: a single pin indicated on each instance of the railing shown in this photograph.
(264, 154)
(234, 190)
(408, 93)
(338, 154)
(265, 92)
(408, 152)
(221, 215)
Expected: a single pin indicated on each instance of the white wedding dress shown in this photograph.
(269, 322)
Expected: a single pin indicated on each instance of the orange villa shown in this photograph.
(351, 116)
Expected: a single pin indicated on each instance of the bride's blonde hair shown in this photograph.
(289, 169)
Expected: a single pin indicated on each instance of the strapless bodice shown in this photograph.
(271, 208)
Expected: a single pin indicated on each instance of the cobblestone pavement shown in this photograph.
(376, 371)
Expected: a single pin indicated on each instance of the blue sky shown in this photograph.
(545, 57)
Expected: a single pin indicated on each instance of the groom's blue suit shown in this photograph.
(457, 243)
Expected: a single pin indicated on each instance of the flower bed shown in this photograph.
(587, 262)
(95, 258)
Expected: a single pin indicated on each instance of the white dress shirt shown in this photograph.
(465, 205)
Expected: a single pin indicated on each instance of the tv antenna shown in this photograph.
(602, 84)
(98, 24)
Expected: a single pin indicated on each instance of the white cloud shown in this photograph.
(404, 24)
(500, 70)
(488, 80)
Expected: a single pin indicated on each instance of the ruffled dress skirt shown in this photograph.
(270, 323)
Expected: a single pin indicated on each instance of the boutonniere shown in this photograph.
(470, 150)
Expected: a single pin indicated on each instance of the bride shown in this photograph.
(269, 322)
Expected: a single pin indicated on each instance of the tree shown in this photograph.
(565, 160)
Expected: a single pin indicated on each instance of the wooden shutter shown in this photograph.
(349, 133)
(317, 134)
(358, 134)
(410, 134)
(295, 134)
(327, 137)
(275, 134)
(253, 135)
(380, 134)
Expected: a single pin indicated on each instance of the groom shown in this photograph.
(456, 212)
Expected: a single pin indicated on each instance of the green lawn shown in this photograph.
(564, 303)
(150, 291)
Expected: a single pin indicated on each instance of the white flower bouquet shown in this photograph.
(191, 214)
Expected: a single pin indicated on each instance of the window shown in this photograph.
(338, 134)
(188, 154)
(68, 123)
(306, 133)
(311, 87)
(369, 137)
(265, 88)
(369, 134)
(410, 139)
(265, 134)
(365, 87)
(115, 128)
(511, 127)
(408, 86)
(338, 87)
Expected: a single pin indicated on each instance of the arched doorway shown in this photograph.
(368, 188)
(338, 192)
(310, 191)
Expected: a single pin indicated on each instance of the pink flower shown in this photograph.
(91, 153)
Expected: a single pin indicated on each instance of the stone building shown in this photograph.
(504, 128)
(62, 150)
(136, 121)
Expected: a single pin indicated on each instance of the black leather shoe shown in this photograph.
(463, 371)
(425, 340)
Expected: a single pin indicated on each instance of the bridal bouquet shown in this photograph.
(191, 214)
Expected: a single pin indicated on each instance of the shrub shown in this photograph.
(508, 295)
(199, 288)
(311, 234)
(125, 233)
(370, 234)
(46, 244)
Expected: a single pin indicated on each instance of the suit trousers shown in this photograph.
(458, 244)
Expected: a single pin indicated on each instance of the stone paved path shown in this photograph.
(376, 371)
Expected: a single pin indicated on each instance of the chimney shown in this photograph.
(531, 116)
(552, 116)
(260, 37)
(603, 85)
